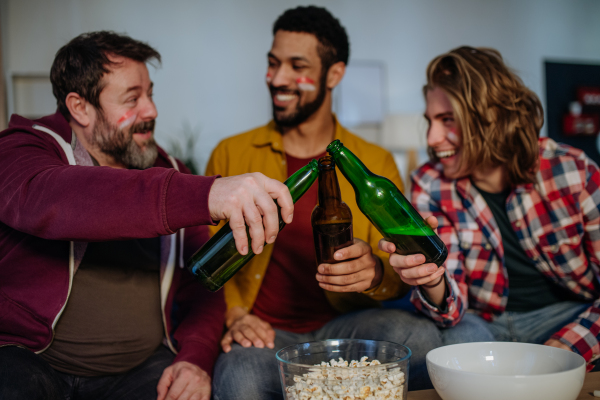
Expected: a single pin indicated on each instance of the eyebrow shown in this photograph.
(138, 87)
(444, 114)
(296, 58)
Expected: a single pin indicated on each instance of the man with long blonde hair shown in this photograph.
(519, 214)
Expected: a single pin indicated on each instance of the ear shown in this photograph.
(79, 109)
(335, 74)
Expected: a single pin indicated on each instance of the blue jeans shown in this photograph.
(252, 373)
(528, 327)
(25, 375)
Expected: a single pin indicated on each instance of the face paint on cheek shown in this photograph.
(306, 84)
(127, 119)
(269, 77)
(453, 137)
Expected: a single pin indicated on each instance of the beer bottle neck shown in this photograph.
(300, 181)
(329, 188)
(353, 169)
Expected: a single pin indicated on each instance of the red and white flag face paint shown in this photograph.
(269, 77)
(127, 119)
(453, 137)
(306, 84)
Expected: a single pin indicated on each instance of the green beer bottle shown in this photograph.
(218, 260)
(387, 208)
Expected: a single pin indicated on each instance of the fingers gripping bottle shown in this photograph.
(218, 260)
(331, 219)
(387, 208)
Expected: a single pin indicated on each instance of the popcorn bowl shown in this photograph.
(505, 370)
(341, 369)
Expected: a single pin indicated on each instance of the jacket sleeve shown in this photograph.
(583, 334)
(391, 285)
(200, 313)
(218, 165)
(201, 316)
(456, 288)
(42, 195)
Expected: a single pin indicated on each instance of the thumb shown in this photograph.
(164, 383)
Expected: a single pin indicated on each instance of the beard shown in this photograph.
(119, 144)
(302, 112)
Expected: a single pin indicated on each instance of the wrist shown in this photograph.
(432, 285)
(233, 314)
(378, 273)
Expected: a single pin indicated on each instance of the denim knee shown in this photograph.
(247, 373)
(471, 328)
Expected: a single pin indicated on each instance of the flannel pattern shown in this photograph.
(557, 222)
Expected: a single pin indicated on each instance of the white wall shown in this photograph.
(214, 52)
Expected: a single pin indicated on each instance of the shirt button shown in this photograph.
(554, 248)
(257, 276)
(384, 290)
(574, 240)
(465, 245)
(488, 246)
(518, 224)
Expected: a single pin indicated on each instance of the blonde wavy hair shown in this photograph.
(499, 117)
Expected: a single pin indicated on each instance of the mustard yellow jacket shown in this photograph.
(261, 150)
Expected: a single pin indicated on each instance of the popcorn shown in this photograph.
(343, 380)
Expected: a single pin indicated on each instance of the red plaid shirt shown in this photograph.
(556, 220)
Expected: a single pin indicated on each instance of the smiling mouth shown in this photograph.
(445, 153)
(144, 135)
(285, 96)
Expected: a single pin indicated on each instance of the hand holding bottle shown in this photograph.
(357, 270)
(248, 199)
(413, 270)
(247, 330)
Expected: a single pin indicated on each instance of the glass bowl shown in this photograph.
(306, 370)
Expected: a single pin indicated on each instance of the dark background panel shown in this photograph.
(562, 81)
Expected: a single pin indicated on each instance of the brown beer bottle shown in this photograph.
(331, 219)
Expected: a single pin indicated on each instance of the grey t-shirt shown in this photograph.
(113, 320)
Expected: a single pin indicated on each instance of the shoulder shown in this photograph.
(563, 167)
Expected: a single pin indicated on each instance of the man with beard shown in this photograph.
(282, 297)
(94, 299)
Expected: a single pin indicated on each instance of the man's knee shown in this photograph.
(24, 375)
(246, 372)
(400, 325)
(471, 328)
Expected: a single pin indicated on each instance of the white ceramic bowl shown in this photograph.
(505, 370)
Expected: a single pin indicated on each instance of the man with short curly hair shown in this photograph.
(282, 297)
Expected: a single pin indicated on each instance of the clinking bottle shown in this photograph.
(331, 219)
(218, 260)
(387, 208)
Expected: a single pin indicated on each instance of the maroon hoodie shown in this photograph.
(53, 201)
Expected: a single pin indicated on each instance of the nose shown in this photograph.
(148, 110)
(435, 135)
(281, 76)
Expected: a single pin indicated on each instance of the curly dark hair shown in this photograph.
(80, 64)
(334, 45)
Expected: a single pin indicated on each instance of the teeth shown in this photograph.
(285, 97)
(445, 154)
